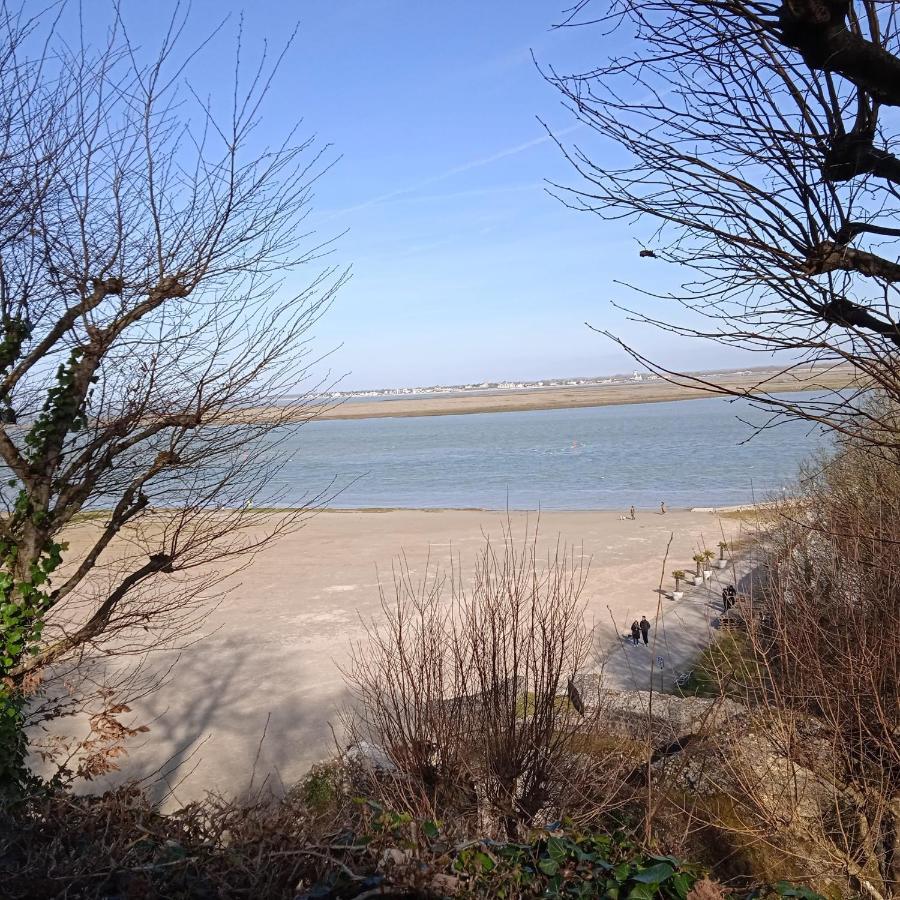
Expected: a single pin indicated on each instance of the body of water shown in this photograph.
(688, 453)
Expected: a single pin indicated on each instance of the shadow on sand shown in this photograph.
(225, 724)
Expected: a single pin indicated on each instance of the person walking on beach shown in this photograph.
(632, 512)
(662, 507)
(645, 629)
(635, 632)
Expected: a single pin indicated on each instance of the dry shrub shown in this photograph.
(465, 692)
(812, 783)
(119, 845)
(831, 642)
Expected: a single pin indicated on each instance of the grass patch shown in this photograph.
(763, 513)
(728, 666)
(750, 515)
(602, 745)
(743, 542)
(525, 704)
(90, 515)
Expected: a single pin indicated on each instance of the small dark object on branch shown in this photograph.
(649, 253)
(575, 697)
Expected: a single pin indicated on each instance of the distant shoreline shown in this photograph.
(578, 397)
(738, 511)
(728, 509)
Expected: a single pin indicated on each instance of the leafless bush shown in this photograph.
(470, 696)
(814, 778)
(119, 844)
(832, 643)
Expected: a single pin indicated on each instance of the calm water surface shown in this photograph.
(688, 453)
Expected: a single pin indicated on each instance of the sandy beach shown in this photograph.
(579, 397)
(274, 647)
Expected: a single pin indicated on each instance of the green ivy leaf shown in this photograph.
(681, 883)
(785, 889)
(484, 861)
(655, 874)
(643, 892)
(557, 849)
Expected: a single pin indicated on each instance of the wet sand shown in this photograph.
(275, 645)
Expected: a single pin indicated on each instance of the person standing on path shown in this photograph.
(635, 632)
(645, 629)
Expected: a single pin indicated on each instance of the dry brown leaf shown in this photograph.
(707, 890)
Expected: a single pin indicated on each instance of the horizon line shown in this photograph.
(556, 378)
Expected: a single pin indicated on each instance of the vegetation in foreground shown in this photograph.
(321, 841)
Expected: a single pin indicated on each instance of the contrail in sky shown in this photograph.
(457, 170)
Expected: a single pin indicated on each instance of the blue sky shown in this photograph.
(464, 268)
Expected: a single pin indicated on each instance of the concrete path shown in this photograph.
(681, 630)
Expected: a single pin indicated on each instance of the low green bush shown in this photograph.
(563, 863)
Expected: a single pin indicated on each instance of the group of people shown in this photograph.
(729, 595)
(640, 630)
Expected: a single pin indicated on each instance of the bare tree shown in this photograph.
(148, 300)
(752, 144)
(470, 696)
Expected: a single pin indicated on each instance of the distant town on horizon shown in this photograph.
(635, 377)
